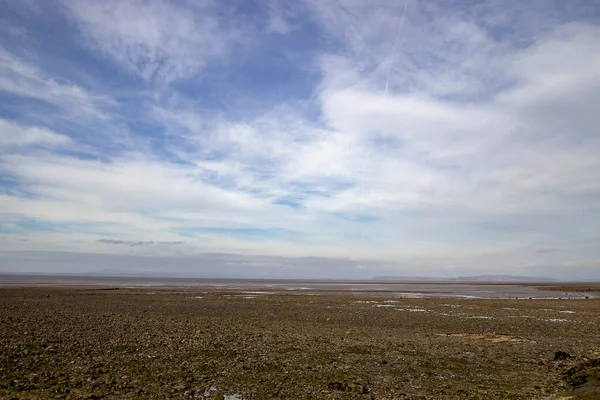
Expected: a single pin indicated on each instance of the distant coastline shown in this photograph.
(474, 278)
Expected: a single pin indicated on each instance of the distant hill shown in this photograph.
(475, 278)
(408, 278)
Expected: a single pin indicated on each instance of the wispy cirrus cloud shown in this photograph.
(23, 79)
(12, 134)
(159, 41)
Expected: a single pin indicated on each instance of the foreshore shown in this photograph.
(92, 343)
(382, 288)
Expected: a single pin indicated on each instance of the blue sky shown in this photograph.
(312, 138)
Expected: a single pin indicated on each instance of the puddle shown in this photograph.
(450, 305)
(489, 337)
(263, 293)
(555, 320)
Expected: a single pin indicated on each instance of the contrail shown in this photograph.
(387, 81)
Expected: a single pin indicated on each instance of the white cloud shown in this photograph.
(157, 40)
(15, 135)
(21, 78)
(558, 83)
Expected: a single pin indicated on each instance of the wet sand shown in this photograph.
(481, 290)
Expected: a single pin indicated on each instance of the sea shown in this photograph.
(401, 289)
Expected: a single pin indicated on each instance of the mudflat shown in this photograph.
(90, 343)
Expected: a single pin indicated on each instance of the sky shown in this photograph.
(304, 139)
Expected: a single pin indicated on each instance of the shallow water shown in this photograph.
(255, 287)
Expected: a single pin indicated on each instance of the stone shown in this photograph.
(336, 386)
(562, 355)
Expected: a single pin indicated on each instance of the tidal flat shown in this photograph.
(93, 343)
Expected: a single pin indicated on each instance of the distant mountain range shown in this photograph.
(475, 278)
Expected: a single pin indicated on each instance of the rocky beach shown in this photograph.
(113, 343)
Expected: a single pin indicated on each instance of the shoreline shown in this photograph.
(398, 289)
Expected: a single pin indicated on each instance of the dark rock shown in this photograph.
(360, 388)
(561, 355)
(586, 375)
(350, 387)
(337, 386)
